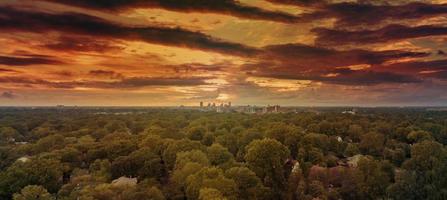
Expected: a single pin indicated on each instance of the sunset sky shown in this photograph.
(181, 52)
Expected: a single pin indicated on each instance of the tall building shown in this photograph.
(201, 104)
(271, 109)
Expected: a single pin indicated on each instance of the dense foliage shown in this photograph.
(138, 154)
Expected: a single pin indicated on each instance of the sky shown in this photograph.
(257, 52)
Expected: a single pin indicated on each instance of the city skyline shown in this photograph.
(248, 52)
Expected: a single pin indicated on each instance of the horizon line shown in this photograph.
(244, 105)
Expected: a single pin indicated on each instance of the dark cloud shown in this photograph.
(227, 7)
(195, 67)
(415, 66)
(301, 62)
(8, 70)
(124, 83)
(386, 34)
(12, 19)
(28, 60)
(304, 3)
(159, 81)
(367, 77)
(347, 77)
(84, 44)
(401, 72)
(352, 14)
(64, 73)
(8, 95)
(348, 14)
(299, 57)
(426, 69)
(439, 75)
(106, 74)
(26, 81)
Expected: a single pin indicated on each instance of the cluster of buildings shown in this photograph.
(217, 107)
(259, 109)
(352, 112)
(227, 107)
(271, 109)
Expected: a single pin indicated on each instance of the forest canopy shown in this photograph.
(138, 154)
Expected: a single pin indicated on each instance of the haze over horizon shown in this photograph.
(172, 52)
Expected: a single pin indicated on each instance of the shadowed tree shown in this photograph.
(249, 186)
(266, 158)
(45, 172)
(219, 155)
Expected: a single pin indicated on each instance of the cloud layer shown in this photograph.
(171, 52)
(80, 24)
(226, 7)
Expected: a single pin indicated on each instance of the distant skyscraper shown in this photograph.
(201, 104)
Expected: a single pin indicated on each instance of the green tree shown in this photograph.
(39, 171)
(355, 132)
(372, 144)
(266, 158)
(375, 177)
(319, 141)
(210, 194)
(424, 175)
(426, 156)
(8, 134)
(311, 155)
(174, 147)
(180, 175)
(351, 150)
(48, 143)
(141, 163)
(288, 135)
(406, 186)
(419, 136)
(153, 142)
(155, 194)
(229, 141)
(196, 156)
(244, 138)
(210, 177)
(316, 190)
(219, 155)
(141, 193)
(101, 169)
(33, 192)
(249, 186)
(196, 133)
